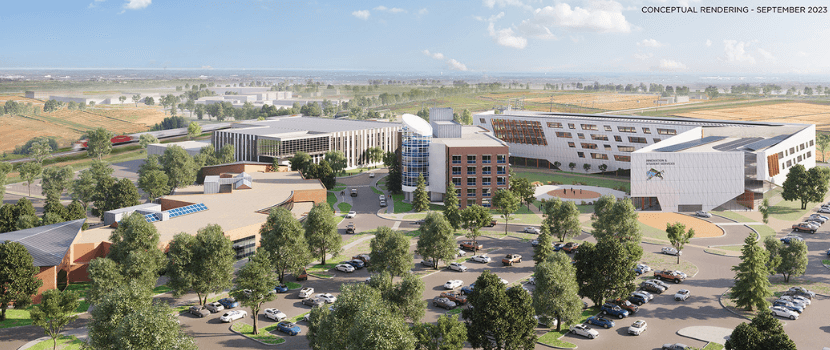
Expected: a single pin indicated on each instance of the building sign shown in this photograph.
(652, 173)
(653, 162)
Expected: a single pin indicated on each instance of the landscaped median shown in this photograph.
(64, 342)
(265, 336)
(552, 338)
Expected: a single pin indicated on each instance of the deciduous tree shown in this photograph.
(146, 140)
(618, 221)
(283, 236)
(420, 198)
(152, 180)
(337, 160)
(678, 236)
(56, 180)
(17, 277)
(98, 143)
(752, 286)
(806, 186)
(202, 263)
(473, 218)
(321, 231)
(135, 248)
(556, 293)
(523, 190)
(193, 130)
(55, 311)
(506, 204)
(764, 209)
(390, 252)
(604, 270)
(254, 284)
(436, 241)
(499, 318)
(773, 247)
(793, 260)
(544, 246)
(763, 333)
(5, 169)
(446, 334)
(179, 167)
(29, 171)
(300, 162)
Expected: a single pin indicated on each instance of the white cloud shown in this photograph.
(422, 11)
(392, 10)
(669, 65)
(535, 30)
(94, 3)
(708, 42)
(801, 54)
(598, 16)
(643, 56)
(506, 37)
(436, 55)
(455, 65)
(735, 51)
(137, 4)
(362, 14)
(766, 54)
(649, 43)
(505, 3)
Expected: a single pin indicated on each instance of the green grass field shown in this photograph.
(331, 198)
(764, 231)
(400, 206)
(376, 190)
(788, 211)
(713, 346)
(733, 215)
(552, 338)
(264, 335)
(344, 207)
(569, 178)
(64, 343)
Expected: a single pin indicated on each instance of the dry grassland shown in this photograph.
(785, 112)
(606, 101)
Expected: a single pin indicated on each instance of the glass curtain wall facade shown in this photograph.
(414, 156)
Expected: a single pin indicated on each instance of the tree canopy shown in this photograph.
(806, 186)
(283, 236)
(763, 333)
(254, 284)
(321, 231)
(420, 198)
(17, 277)
(390, 252)
(557, 293)
(752, 286)
(499, 318)
(437, 241)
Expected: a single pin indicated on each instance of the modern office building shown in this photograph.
(713, 163)
(281, 137)
(444, 151)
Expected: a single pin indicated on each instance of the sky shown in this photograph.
(474, 36)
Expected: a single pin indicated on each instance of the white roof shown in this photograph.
(418, 124)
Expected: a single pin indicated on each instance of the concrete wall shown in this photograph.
(794, 142)
(236, 168)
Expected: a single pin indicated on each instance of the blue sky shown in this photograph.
(476, 36)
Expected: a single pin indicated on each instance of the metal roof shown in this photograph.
(306, 124)
(766, 143)
(689, 144)
(48, 244)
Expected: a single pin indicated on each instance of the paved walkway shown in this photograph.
(542, 192)
(80, 333)
(706, 333)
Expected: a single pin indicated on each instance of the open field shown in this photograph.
(784, 112)
(606, 101)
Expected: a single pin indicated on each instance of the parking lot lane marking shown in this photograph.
(396, 225)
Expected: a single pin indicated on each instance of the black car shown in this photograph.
(637, 299)
(650, 287)
(313, 301)
(350, 228)
(443, 302)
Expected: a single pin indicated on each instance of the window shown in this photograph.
(471, 202)
(581, 136)
(471, 181)
(802, 147)
(471, 170)
(599, 137)
(571, 145)
(626, 129)
(622, 158)
(625, 148)
(482, 120)
(456, 181)
(485, 181)
(780, 155)
(666, 131)
(789, 163)
(599, 156)
(607, 147)
(501, 158)
(485, 202)
(634, 139)
(486, 159)
(580, 154)
(571, 125)
(589, 145)
(501, 170)
(471, 192)
(792, 150)
(656, 140)
(456, 159)
(608, 128)
(471, 159)
(799, 158)
(809, 154)
(564, 135)
(486, 192)
(811, 142)
(555, 125)
(646, 131)
(617, 138)
(589, 127)
(485, 170)
(519, 131)
(456, 170)
(501, 180)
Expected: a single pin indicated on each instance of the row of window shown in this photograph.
(472, 192)
(603, 156)
(485, 159)
(606, 147)
(558, 125)
(485, 181)
(632, 139)
(486, 170)
(797, 160)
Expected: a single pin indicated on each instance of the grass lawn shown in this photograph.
(64, 342)
(299, 317)
(569, 178)
(376, 190)
(331, 198)
(733, 215)
(763, 230)
(826, 261)
(338, 187)
(713, 346)
(652, 232)
(344, 207)
(788, 211)
(521, 216)
(552, 338)
(659, 261)
(16, 318)
(293, 285)
(415, 216)
(400, 206)
(456, 311)
(322, 267)
(161, 289)
(264, 335)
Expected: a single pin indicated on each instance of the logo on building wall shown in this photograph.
(652, 173)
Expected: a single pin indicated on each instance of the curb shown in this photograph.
(723, 217)
(720, 301)
(263, 343)
(556, 347)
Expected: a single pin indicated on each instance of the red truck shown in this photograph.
(115, 141)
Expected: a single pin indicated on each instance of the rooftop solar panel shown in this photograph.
(190, 209)
(766, 142)
(733, 145)
(690, 144)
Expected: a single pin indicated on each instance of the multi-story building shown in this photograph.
(446, 152)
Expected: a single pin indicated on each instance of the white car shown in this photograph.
(458, 267)
(306, 292)
(371, 175)
(680, 273)
(327, 297)
(453, 284)
(344, 268)
(638, 327)
(481, 258)
(782, 312)
(798, 299)
(275, 314)
(233, 315)
(824, 210)
(682, 295)
(504, 281)
(703, 214)
(643, 294)
(351, 215)
(645, 268)
(532, 230)
(585, 331)
(799, 302)
(671, 251)
(459, 253)
(532, 280)
(382, 197)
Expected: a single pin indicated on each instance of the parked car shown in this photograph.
(703, 214)
(459, 253)
(275, 314)
(371, 175)
(491, 224)
(327, 297)
(669, 276)
(784, 312)
(545, 321)
(557, 247)
(625, 305)
(788, 239)
(638, 298)
(467, 290)
(675, 346)
(306, 292)
(350, 228)
(682, 295)
(804, 227)
(638, 271)
(511, 259)
(313, 302)
(281, 288)
(453, 284)
(481, 258)
(584, 330)
(458, 298)
(661, 284)
(532, 280)
(788, 305)
(819, 218)
(652, 287)
(671, 251)
(614, 310)
(570, 247)
(363, 257)
(420, 222)
(443, 302)
(824, 210)
(356, 263)
(198, 310)
(800, 291)
(600, 321)
(532, 230)
(344, 268)
(353, 192)
(797, 299)
(468, 245)
(351, 215)
(382, 197)
(458, 267)
(290, 328)
(643, 267)
(233, 315)
(229, 303)
(383, 203)
(534, 242)
(638, 327)
(214, 307)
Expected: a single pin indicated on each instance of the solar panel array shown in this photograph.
(689, 144)
(734, 145)
(152, 217)
(766, 142)
(190, 209)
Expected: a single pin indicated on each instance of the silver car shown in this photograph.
(703, 214)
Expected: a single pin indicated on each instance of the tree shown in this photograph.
(321, 231)
(282, 235)
(544, 246)
(337, 160)
(254, 283)
(822, 141)
(135, 248)
(523, 190)
(764, 209)
(407, 298)
(149, 101)
(300, 162)
(390, 252)
(83, 188)
(420, 200)
(499, 318)
(5, 169)
(136, 98)
(618, 221)
(763, 333)
(473, 218)
(436, 241)
(466, 117)
(110, 309)
(587, 167)
(556, 293)
(202, 263)
(603, 167)
(572, 165)
(374, 154)
(55, 311)
(193, 130)
(773, 247)
(40, 150)
(122, 99)
(152, 180)
(452, 212)
(678, 236)
(98, 143)
(122, 194)
(106, 276)
(793, 260)
(152, 327)
(28, 172)
(506, 204)
(179, 167)
(17, 276)
(557, 164)
(446, 334)
(604, 270)
(146, 140)
(752, 287)
(56, 180)
(806, 186)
